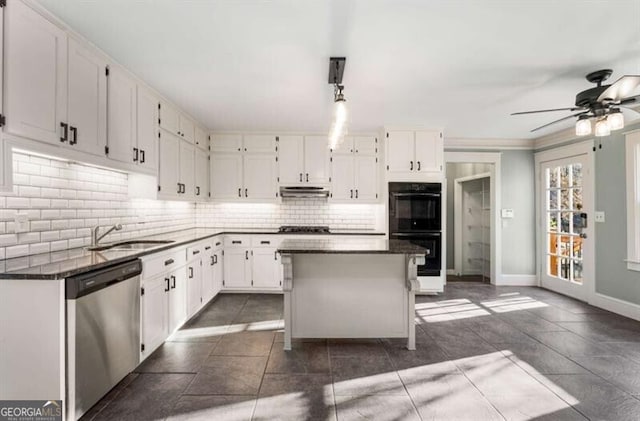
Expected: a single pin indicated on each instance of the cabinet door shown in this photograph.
(316, 160)
(366, 178)
(226, 143)
(400, 152)
(342, 181)
(35, 64)
(260, 177)
(121, 116)
(194, 287)
(177, 299)
(236, 262)
(87, 99)
(208, 289)
(202, 139)
(187, 128)
(346, 148)
(169, 164)
(202, 175)
(169, 118)
(218, 272)
(290, 160)
(147, 129)
(365, 145)
(259, 144)
(187, 169)
(429, 151)
(226, 176)
(265, 268)
(155, 314)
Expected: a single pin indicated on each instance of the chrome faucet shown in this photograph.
(95, 238)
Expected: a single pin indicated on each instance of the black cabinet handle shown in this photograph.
(301, 177)
(74, 135)
(65, 132)
(166, 288)
(418, 165)
(197, 190)
(411, 168)
(173, 282)
(190, 272)
(195, 252)
(169, 262)
(356, 193)
(246, 255)
(179, 188)
(275, 255)
(215, 259)
(218, 243)
(246, 192)
(239, 192)
(265, 242)
(141, 156)
(135, 154)
(236, 242)
(307, 177)
(207, 248)
(351, 193)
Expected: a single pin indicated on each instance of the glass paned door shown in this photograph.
(566, 225)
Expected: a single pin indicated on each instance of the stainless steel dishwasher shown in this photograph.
(103, 332)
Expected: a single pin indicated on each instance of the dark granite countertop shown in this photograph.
(349, 246)
(65, 263)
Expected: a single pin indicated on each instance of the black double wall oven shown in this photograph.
(415, 214)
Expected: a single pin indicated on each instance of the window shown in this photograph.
(633, 200)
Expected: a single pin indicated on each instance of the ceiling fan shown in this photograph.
(601, 103)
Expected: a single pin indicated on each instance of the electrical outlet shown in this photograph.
(599, 216)
(21, 222)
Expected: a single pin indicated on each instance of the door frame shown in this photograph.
(495, 187)
(562, 152)
(457, 217)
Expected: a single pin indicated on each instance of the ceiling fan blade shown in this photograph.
(633, 110)
(632, 100)
(620, 88)
(548, 111)
(559, 120)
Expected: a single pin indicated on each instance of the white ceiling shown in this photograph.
(463, 65)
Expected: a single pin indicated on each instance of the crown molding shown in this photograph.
(488, 144)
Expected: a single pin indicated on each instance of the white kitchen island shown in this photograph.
(350, 288)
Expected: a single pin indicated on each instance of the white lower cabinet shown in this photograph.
(252, 263)
(266, 268)
(194, 286)
(155, 313)
(177, 299)
(237, 268)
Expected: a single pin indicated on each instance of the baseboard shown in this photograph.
(616, 305)
(517, 280)
(451, 271)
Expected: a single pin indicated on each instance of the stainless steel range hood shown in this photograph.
(304, 191)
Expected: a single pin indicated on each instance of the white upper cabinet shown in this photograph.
(226, 176)
(260, 177)
(187, 169)
(202, 175)
(169, 118)
(187, 128)
(169, 166)
(226, 143)
(316, 160)
(366, 178)
(354, 171)
(346, 148)
(342, 177)
(87, 99)
(122, 117)
(411, 153)
(290, 159)
(202, 138)
(35, 64)
(147, 129)
(259, 144)
(365, 145)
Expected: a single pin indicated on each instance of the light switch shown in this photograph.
(21, 222)
(599, 216)
(507, 213)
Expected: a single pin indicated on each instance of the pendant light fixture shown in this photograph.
(602, 128)
(583, 126)
(339, 125)
(615, 119)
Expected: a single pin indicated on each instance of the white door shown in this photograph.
(121, 116)
(260, 177)
(187, 169)
(567, 225)
(194, 287)
(265, 268)
(342, 177)
(147, 129)
(177, 299)
(290, 160)
(202, 139)
(35, 65)
(366, 178)
(155, 306)
(202, 175)
(226, 176)
(226, 143)
(87, 100)
(169, 118)
(236, 263)
(169, 164)
(316, 160)
(187, 128)
(400, 152)
(260, 144)
(429, 151)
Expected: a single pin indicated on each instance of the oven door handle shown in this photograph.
(415, 234)
(417, 194)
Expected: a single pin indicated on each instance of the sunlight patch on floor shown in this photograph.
(256, 326)
(316, 404)
(505, 305)
(448, 310)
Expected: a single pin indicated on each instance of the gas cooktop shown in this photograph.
(308, 229)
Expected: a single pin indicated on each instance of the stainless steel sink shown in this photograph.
(131, 245)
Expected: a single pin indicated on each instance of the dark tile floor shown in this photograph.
(484, 353)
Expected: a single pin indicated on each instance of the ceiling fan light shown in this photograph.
(602, 128)
(583, 127)
(615, 120)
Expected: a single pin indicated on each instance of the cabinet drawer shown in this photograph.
(265, 241)
(237, 241)
(195, 251)
(155, 264)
